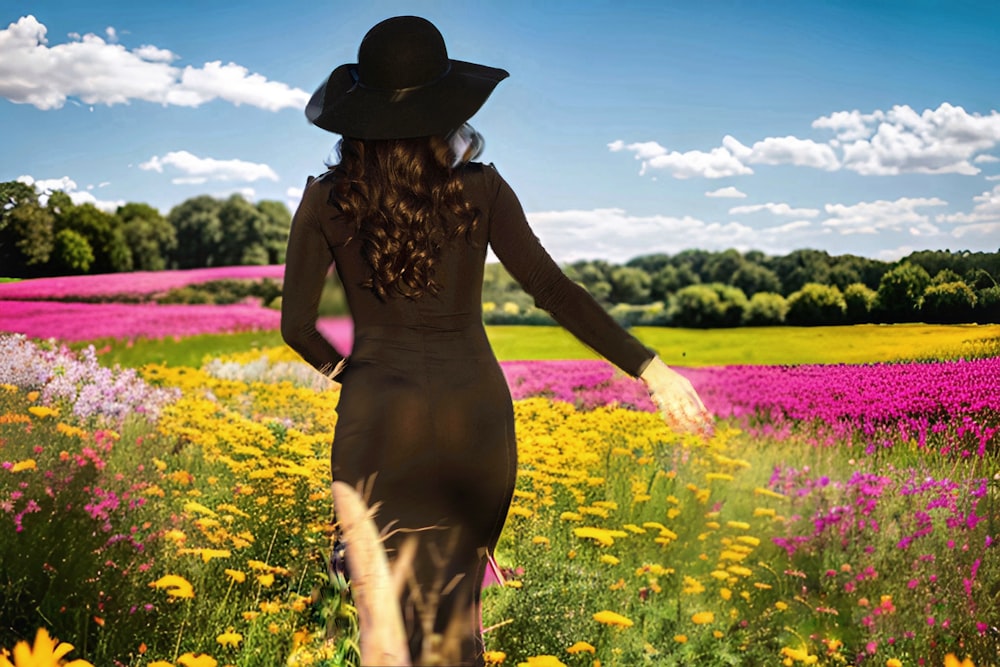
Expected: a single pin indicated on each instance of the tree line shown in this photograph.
(693, 288)
(63, 238)
(698, 288)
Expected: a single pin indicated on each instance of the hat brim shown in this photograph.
(342, 106)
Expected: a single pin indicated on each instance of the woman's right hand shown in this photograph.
(675, 397)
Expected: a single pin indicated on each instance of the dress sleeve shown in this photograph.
(307, 265)
(520, 251)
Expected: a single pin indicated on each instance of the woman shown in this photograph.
(424, 457)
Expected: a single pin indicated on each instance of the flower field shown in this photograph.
(180, 516)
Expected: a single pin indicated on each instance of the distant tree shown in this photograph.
(150, 237)
(103, 232)
(721, 266)
(900, 293)
(800, 267)
(278, 220)
(629, 285)
(26, 231)
(935, 261)
(945, 276)
(859, 299)
(696, 306)
(71, 253)
(734, 303)
(669, 278)
(695, 260)
(948, 303)
(753, 278)
(988, 305)
(242, 239)
(649, 263)
(594, 276)
(842, 275)
(199, 233)
(816, 304)
(979, 279)
(765, 309)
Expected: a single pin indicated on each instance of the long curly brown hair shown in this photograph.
(406, 203)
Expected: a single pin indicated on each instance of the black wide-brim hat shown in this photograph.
(403, 85)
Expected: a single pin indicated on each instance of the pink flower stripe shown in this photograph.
(134, 284)
(72, 322)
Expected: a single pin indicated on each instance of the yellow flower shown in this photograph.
(540, 539)
(513, 583)
(515, 510)
(580, 647)
(197, 660)
(542, 661)
(739, 525)
(780, 606)
(47, 651)
(229, 638)
(609, 559)
(158, 663)
(43, 411)
(571, 516)
(893, 662)
(494, 657)
(177, 586)
(718, 634)
(236, 575)
(265, 580)
(611, 618)
(270, 607)
(761, 491)
(725, 593)
(680, 639)
(951, 660)
(26, 464)
(703, 617)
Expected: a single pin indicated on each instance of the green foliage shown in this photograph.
(103, 232)
(149, 235)
(988, 305)
(754, 278)
(900, 293)
(948, 302)
(26, 230)
(224, 292)
(629, 285)
(199, 233)
(72, 252)
(816, 304)
(765, 309)
(859, 299)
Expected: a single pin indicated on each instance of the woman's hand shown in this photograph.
(678, 402)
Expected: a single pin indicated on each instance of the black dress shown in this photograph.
(425, 416)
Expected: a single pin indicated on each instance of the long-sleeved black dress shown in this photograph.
(425, 415)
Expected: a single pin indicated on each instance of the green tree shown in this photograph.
(103, 231)
(754, 278)
(696, 306)
(199, 233)
(734, 303)
(669, 278)
(988, 305)
(278, 220)
(594, 276)
(979, 279)
(816, 304)
(859, 299)
(242, 226)
(900, 292)
(949, 302)
(765, 309)
(26, 231)
(945, 276)
(800, 267)
(149, 236)
(72, 253)
(629, 285)
(721, 266)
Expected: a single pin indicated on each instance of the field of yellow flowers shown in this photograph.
(181, 517)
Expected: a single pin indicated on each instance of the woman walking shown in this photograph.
(424, 454)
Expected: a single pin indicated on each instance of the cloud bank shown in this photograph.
(99, 70)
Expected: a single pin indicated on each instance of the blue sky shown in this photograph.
(870, 128)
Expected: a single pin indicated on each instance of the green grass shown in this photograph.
(679, 347)
(767, 345)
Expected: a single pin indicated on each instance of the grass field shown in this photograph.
(864, 343)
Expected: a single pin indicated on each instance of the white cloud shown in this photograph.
(875, 216)
(985, 210)
(717, 163)
(993, 178)
(983, 159)
(197, 170)
(775, 209)
(726, 193)
(785, 150)
(46, 186)
(99, 71)
(936, 141)
(849, 125)
(616, 235)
